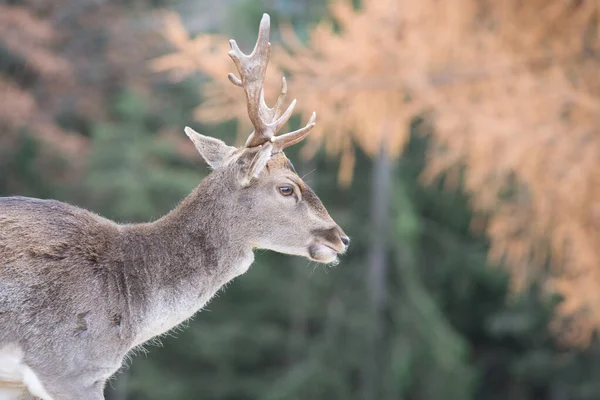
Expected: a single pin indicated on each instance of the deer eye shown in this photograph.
(286, 190)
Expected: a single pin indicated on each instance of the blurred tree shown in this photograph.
(26, 54)
(62, 61)
(61, 65)
(137, 182)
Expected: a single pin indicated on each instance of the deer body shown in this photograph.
(78, 292)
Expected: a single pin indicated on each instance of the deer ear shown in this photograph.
(214, 151)
(258, 163)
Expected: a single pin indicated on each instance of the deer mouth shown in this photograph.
(323, 253)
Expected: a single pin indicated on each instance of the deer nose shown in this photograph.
(345, 240)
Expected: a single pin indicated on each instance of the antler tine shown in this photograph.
(234, 79)
(273, 115)
(280, 98)
(289, 139)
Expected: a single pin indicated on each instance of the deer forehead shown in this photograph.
(280, 161)
(280, 166)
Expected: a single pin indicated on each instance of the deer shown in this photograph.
(79, 292)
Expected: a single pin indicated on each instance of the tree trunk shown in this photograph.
(376, 272)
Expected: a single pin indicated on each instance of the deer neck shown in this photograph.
(187, 256)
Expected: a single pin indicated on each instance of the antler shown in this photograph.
(267, 121)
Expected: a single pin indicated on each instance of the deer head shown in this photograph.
(277, 210)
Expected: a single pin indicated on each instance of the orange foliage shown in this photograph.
(208, 54)
(511, 89)
(66, 58)
(27, 36)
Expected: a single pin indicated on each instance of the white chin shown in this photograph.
(323, 254)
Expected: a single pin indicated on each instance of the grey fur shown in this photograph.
(78, 292)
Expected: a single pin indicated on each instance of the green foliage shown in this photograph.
(25, 169)
(130, 175)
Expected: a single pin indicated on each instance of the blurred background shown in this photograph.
(457, 144)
